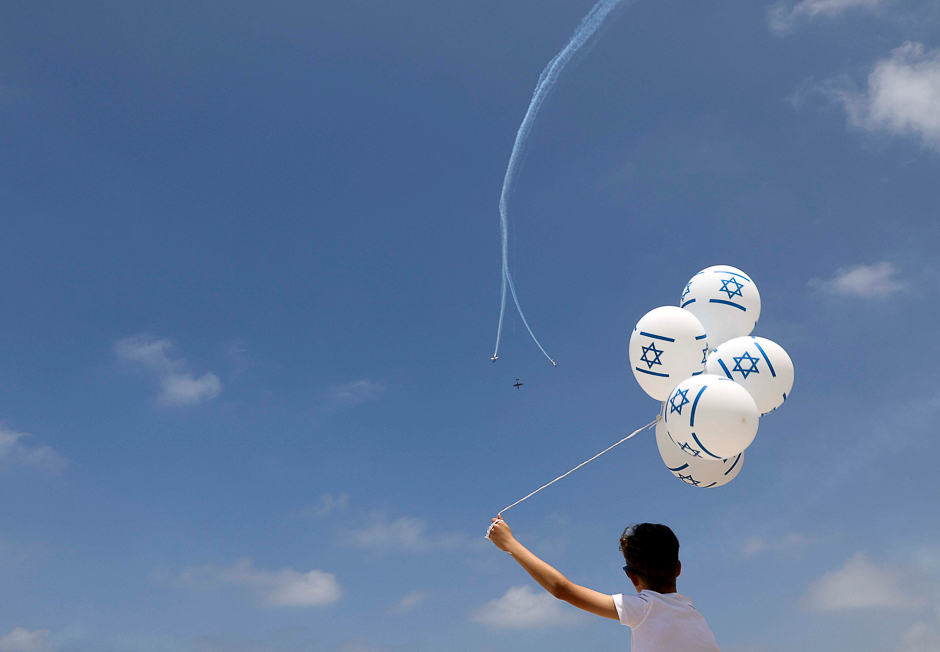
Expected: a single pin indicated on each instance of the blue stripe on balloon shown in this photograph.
(728, 303)
(677, 468)
(658, 337)
(722, 363)
(695, 437)
(699, 373)
(772, 372)
(736, 460)
(695, 405)
(687, 303)
(708, 486)
(733, 274)
(701, 337)
(651, 373)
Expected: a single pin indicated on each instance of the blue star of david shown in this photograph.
(688, 288)
(691, 451)
(750, 370)
(651, 349)
(705, 355)
(733, 292)
(688, 479)
(681, 393)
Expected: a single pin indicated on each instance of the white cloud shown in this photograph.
(184, 389)
(406, 534)
(409, 601)
(866, 281)
(356, 392)
(783, 16)
(14, 452)
(358, 646)
(290, 639)
(326, 504)
(860, 584)
(12, 554)
(903, 96)
(178, 386)
(281, 588)
(789, 542)
(922, 637)
(521, 608)
(23, 640)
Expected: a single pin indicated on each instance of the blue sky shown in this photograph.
(250, 283)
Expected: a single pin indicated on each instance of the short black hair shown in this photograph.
(651, 550)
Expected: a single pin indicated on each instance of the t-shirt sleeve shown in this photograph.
(631, 609)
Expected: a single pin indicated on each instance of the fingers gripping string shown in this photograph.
(635, 432)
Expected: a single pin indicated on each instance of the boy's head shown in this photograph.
(651, 551)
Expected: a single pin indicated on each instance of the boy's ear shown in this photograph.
(678, 568)
(634, 578)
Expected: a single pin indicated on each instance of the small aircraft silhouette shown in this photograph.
(518, 384)
(495, 358)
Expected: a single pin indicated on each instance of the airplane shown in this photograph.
(495, 358)
(518, 384)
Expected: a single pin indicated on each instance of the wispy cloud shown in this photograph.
(866, 281)
(23, 640)
(787, 543)
(292, 639)
(408, 601)
(326, 504)
(12, 554)
(178, 386)
(355, 392)
(521, 608)
(902, 98)
(15, 452)
(861, 584)
(921, 637)
(406, 534)
(358, 645)
(746, 647)
(280, 588)
(783, 16)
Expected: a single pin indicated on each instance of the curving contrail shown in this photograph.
(588, 28)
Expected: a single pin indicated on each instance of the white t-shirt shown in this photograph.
(664, 622)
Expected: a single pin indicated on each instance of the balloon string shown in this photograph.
(635, 432)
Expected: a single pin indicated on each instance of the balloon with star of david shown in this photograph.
(759, 365)
(710, 417)
(667, 346)
(696, 471)
(725, 300)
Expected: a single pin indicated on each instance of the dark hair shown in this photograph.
(651, 551)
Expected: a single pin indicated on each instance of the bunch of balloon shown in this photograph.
(714, 379)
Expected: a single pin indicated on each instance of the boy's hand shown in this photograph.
(500, 534)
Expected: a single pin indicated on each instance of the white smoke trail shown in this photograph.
(588, 28)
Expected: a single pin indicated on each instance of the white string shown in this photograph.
(635, 432)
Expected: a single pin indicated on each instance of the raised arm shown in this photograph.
(550, 579)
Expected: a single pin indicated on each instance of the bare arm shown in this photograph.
(550, 579)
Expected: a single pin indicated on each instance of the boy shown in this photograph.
(661, 620)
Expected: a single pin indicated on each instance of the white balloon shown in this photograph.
(759, 365)
(667, 345)
(695, 471)
(711, 417)
(725, 300)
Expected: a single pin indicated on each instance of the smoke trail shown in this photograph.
(589, 26)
